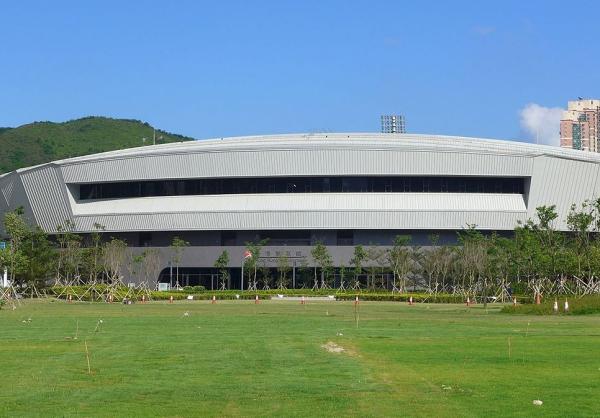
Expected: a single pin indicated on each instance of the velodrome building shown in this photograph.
(340, 189)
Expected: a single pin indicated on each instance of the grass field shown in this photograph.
(236, 358)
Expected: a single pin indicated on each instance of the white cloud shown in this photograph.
(542, 124)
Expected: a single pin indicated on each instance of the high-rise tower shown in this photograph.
(580, 125)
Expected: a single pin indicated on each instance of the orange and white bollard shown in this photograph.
(213, 300)
(302, 301)
(555, 307)
(356, 302)
(410, 301)
(538, 299)
(514, 301)
(171, 299)
(69, 298)
(566, 305)
(256, 300)
(468, 301)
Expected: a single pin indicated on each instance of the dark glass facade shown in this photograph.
(320, 184)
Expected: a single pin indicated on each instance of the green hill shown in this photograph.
(41, 142)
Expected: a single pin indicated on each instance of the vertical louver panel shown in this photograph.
(46, 192)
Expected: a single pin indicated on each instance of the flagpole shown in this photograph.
(245, 255)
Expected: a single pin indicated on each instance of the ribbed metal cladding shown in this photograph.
(47, 197)
(562, 182)
(427, 202)
(7, 184)
(297, 162)
(302, 220)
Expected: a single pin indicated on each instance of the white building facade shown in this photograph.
(296, 190)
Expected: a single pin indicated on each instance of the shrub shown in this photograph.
(194, 289)
(577, 306)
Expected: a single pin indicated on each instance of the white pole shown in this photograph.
(243, 261)
(5, 278)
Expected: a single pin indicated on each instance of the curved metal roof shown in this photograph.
(412, 142)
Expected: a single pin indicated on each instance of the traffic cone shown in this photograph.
(214, 300)
(171, 299)
(566, 305)
(302, 301)
(468, 301)
(515, 301)
(538, 299)
(256, 300)
(356, 301)
(555, 308)
(410, 301)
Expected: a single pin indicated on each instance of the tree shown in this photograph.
(94, 252)
(447, 258)
(430, 262)
(283, 268)
(376, 260)
(114, 256)
(134, 266)
(342, 271)
(17, 231)
(473, 257)
(400, 260)
(178, 246)
(265, 274)
(322, 259)
(579, 222)
(221, 264)
(251, 263)
(303, 273)
(357, 261)
(152, 266)
(29, 255)
(41, 256)
(69, 256)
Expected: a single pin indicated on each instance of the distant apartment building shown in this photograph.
(392, 124)
(580, 125)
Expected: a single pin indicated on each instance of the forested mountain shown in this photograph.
(41, 142)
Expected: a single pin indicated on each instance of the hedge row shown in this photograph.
(580, 306)
(120, 293)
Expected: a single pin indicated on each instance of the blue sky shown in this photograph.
(212, 69)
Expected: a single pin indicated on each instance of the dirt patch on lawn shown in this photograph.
(332, 347)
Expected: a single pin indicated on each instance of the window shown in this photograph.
(332, 184)
(345, 237)
(228, 238)
(145, 239)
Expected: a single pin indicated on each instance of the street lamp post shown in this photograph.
(245, 255)
(243, 261)
(160, 138)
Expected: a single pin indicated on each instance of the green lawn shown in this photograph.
(236, 358)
